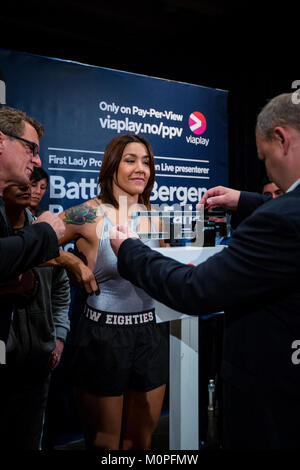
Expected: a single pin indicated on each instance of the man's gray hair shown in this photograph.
(279, 111)
(12, 121)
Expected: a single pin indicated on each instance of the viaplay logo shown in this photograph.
(197, 124)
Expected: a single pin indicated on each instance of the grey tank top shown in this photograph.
(116, 294)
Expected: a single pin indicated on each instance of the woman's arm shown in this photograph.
(77, 271)
(79, 221)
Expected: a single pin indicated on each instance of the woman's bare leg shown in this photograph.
(141, 414)
(101, 418)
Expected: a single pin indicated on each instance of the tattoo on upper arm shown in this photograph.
(80, 215)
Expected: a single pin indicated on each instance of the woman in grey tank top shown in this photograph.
(119, 365)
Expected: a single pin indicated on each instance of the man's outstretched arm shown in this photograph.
(241, 203)
(240, 276)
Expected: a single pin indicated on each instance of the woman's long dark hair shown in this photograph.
(110, 164)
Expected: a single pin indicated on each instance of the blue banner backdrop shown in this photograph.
(83, 107)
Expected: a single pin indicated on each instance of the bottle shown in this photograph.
(218, 238)
(211, 395)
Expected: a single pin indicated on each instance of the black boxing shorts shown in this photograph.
(115, 352)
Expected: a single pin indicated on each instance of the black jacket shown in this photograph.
(33, 245)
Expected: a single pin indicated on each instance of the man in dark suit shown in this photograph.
(37, 243)
(255, 281)
(19, 154)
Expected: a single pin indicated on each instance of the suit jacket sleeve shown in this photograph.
(33, 245)
(248, 202)
(255, 266)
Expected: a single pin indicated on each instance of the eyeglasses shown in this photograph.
(34, 148)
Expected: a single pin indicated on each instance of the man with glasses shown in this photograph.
(19, 147)
(37, 243)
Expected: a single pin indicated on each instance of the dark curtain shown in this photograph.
(246, 99)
